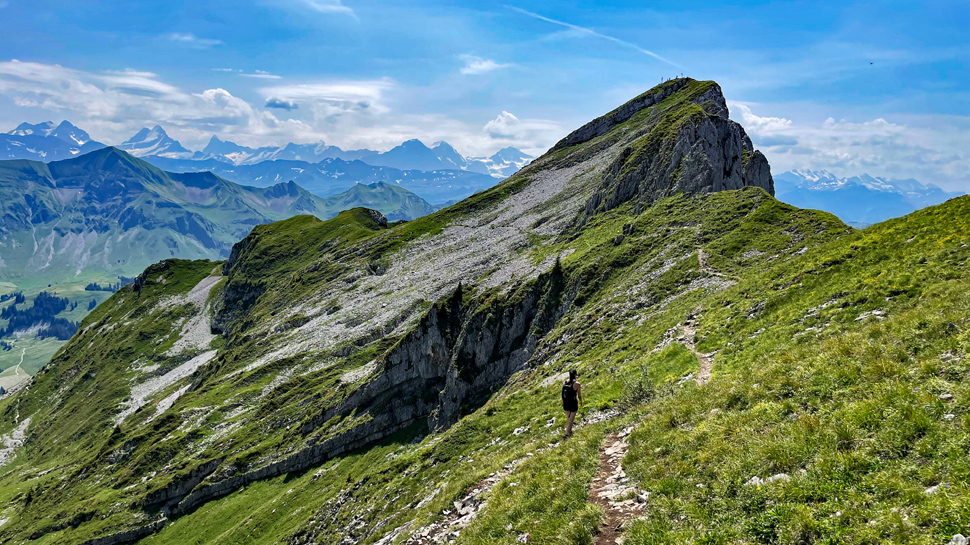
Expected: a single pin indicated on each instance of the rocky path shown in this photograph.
(685, 334)
(447, 529)
(621, 501)
(705, 268)
(706, 360)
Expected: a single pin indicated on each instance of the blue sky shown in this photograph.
(878, 87)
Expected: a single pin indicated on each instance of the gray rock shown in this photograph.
(958, 539)
(707, 153)
(782, 477)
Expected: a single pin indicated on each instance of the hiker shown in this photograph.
(572, 400)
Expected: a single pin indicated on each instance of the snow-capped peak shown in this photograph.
(154, 141)
(40, 129)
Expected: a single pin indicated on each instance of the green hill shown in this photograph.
(762, 374)
(106, 215)
(395, 202)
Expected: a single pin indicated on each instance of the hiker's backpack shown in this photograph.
(568, 393)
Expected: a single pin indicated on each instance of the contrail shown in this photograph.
(592, 32)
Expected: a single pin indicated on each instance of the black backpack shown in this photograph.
(568, 393)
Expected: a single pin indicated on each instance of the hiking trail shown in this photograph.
(705, 268)
(611, 490)
(705, 360)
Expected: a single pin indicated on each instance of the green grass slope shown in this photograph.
(851, 410)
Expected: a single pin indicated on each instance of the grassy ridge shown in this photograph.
(855, 404)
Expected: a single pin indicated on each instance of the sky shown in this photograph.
(851, 87)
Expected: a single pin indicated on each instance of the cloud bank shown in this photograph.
(878, 147)
(113, 105)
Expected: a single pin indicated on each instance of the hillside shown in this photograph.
(107, 215)
(393, 201)
(110, 212)
(354, 381)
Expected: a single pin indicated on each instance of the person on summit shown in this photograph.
(572, 400)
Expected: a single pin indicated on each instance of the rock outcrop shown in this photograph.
(686, 144)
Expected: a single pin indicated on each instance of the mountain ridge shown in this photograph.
(357, 381)
(435, 267)
(46, 142)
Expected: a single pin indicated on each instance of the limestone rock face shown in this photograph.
(757, 172)
(682, 141)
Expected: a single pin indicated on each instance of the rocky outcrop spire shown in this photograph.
(677, 138)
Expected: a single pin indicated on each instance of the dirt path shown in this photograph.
(705, 268)
(16, 370)
(612, 491)
(706, 360)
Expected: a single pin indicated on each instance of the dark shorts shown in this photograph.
(570, 406)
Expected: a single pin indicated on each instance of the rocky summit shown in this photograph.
(359, 380)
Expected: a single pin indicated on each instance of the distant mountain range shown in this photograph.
(45, 142)
(114, 214)
(859, 200)
(154, 142)
(334, 175)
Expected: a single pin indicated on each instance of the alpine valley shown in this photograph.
(71, 225)
(97, 216)
(752, 372)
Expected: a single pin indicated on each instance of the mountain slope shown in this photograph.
(414, 155)
(347, 381)
(107, 215)
(394, 202)
(109, 211)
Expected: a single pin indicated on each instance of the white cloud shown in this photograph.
(279, 103)
(328, 6)
(258, 74)
(261, 75)
(760, 125)
(349, 113)
(476, 65)
(112, 105)
(191, 39)
(527, 134)
(936, 152)
(335, 97)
